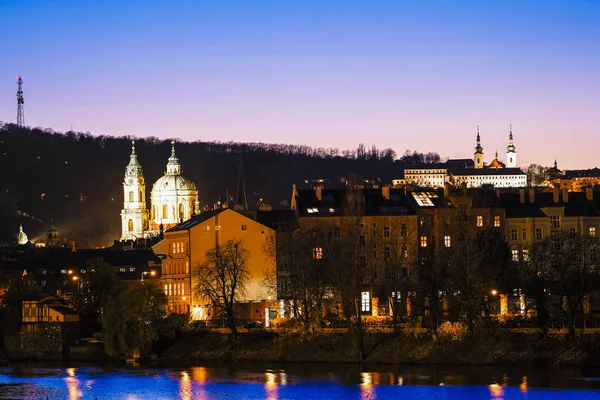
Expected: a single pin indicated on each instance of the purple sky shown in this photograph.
(417, 75)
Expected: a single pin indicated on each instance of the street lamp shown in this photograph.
(76, 279)
(151, 273)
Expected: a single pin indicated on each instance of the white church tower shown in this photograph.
(511, 152)
(478, 155)
(134, 215)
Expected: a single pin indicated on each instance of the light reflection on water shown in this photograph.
(256, 382)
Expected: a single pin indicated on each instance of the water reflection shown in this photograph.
(295, 382)
(496, 392)
(366, 386)
(73, 384)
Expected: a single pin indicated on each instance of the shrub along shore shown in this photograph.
(449, 348)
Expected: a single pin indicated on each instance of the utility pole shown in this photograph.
(20, 103)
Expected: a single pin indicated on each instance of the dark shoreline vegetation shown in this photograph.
(484, 347)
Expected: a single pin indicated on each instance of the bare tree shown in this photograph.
(222, 279)
(349, 261)
(399, 257)
(301, 269)
(573, 264)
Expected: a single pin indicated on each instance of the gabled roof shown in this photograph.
(333, 202)
(576, 206)
(487, 172)
(583, 173)
(197, 219)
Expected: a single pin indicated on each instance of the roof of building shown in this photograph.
(488, 172)
(576, 205)
(583, 173)
(460, 163)
(206, 215)
(64, 310)
(333, 202)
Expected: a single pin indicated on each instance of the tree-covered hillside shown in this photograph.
(76, 179)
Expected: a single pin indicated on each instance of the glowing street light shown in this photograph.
(151, 273)
(494, 292)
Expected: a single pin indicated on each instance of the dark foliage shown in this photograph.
(76, 178)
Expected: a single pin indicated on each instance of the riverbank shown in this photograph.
(482, 348)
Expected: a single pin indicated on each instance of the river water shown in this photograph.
(279, 382)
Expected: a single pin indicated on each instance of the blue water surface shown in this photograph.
(304, 382)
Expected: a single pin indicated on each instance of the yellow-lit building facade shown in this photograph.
(534, 215)
(47, 308)
(387, 239)
(184, 249)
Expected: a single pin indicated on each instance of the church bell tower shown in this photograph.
(134, 215)
(478, 155)
(511, 152)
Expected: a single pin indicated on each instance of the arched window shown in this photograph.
(131, 197)
(165, 213)
(140, 196)
(181, 211)
(130, 225)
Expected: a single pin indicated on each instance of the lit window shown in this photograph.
(131, 269)
(318, 253)
(423, 241)
(515, 255)
(479, 220)
(555, 222)
(496, 221)
(365, 302)
(206, 228)
(217, 227)
(592, 231)
(63, 271)
(424, 199)
(244, 227)
(122, 269)
(525, 255)
(386, 231)
(447, 241)
(539, 233)
(513, 234)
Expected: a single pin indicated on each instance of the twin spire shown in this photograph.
(510, 148)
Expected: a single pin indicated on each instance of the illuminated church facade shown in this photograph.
(173, 199)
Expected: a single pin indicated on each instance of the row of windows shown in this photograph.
(387, 252)
(496, 221)
(243, 227)
(539, 233)
(447, 241)
(175, 289)
(176, 267)
(179, 247)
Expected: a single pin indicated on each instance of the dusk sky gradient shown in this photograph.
(417, 75)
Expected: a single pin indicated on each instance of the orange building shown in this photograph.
(184, 249)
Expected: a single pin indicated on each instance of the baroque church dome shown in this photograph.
(174, 197)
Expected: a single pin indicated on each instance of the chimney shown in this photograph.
(555, 194)
(385, 191)
(565, 195)
(532, 195)
(589, 193)
(522, 195)
(319, 191)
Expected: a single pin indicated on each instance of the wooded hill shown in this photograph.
(76, 178)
